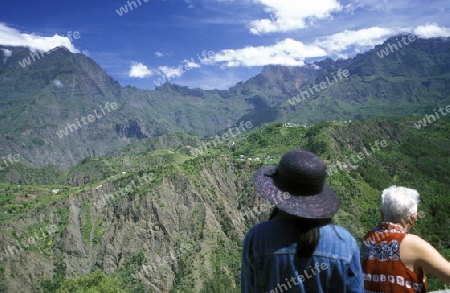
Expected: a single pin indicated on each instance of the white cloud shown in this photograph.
(189, 3)
(164, 53)
(171, 72)
(58, 83)
(190, 64)
(12, 37)
(291, 15)
(370, 5)
(140, 70)
(7, 53)
(338, 43)
(361, 40)
(431, 30)
(288, 53)
(291, 52)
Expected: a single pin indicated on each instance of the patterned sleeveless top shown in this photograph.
(383, 270)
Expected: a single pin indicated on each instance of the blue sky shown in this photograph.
(165, 39)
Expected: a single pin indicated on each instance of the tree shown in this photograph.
(96, 282)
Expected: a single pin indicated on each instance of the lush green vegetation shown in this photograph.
(417, 158)
(96, 282)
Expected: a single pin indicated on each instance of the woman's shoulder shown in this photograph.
(334, 227)
(415, 242)
(336, 242)
(342, 233)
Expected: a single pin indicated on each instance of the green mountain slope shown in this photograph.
(165, 220)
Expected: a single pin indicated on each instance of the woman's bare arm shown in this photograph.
(429, 258)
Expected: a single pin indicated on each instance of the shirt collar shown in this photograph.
(390, 226)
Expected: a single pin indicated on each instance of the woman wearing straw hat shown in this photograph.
(299, 249)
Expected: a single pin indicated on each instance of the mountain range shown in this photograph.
(51, 110)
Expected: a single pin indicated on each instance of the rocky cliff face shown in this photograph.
(168, 229)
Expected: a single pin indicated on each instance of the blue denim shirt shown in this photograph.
(270, 264)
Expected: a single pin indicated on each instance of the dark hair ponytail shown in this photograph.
(307, 232)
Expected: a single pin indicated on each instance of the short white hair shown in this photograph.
(399, 203)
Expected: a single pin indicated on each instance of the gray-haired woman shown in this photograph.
(394, 261)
